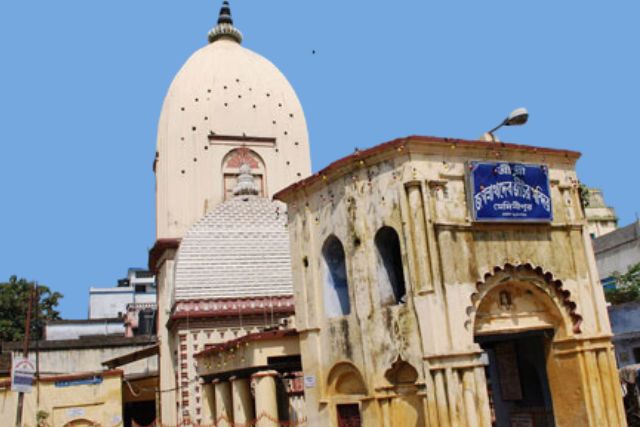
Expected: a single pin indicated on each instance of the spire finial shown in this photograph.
(246, 184)
(225, 28)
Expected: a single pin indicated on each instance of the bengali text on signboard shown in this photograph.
(502, 191)
(22, 373)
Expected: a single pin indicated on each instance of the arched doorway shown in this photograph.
(518, 313)
(346, 389)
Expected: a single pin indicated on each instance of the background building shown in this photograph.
(601, 219)
(617, 251)
(79, 357)
(84, 399)
(137, 288)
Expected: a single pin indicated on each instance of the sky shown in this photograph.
(82, 84)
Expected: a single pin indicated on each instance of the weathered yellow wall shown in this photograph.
(419, 189)
(99, 403)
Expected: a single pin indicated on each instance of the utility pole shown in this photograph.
(25, 352)
(36, 314)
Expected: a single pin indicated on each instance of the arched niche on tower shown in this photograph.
(231, 169)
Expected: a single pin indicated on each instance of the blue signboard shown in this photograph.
(510, 192)
(96, 379)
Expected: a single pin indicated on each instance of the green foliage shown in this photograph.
(585, 195)
(14, 304)
(41, 418)
(627, 286)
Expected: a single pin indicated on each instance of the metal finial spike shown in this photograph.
(225, 28)
(225, 14)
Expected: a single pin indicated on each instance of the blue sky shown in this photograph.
(82, 83)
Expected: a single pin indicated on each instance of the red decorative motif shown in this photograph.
(294, 385)
(241, 156)
(225, 307)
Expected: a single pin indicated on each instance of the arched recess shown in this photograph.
(346, 390)
(405, 404)
(336, 288)
(82, 422)
(389, 267)
(345, 379)
(231, 168)
(524, 297)
(401, 373)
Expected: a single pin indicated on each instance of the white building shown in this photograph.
(601, 219)
(137, 288)
(56, 330)
(617, 251)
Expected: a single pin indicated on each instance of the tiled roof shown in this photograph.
(239, 249)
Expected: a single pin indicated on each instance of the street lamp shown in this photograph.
(518, 117)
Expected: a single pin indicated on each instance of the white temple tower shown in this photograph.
(231, 134)
(226, 104)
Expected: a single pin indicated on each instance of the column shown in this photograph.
(223, 403)
(208, 404)
(266, 398)
(421, 254)
(242, 402)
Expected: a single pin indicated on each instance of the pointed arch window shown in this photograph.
(390, 271)
(336, 289)
(231, 169)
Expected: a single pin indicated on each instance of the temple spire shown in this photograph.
(225, 28)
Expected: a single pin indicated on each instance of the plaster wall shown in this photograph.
(75, 331)
(168, 394)
(420, 190)
(70, 361)
(112, 302)
(97, 403)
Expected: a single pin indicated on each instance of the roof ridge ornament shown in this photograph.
(225, 28)
(246, 185)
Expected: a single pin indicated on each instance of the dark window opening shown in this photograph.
(336, 289)
(141, 289)
(636, 354)
(390, 272)
(349, 415)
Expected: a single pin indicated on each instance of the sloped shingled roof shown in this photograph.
(239, 249)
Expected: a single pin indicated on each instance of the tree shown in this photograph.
(14, 304)
(627, 286)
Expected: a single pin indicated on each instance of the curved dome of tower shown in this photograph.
(224, 97)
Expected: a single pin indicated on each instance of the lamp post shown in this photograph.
(518, 117)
